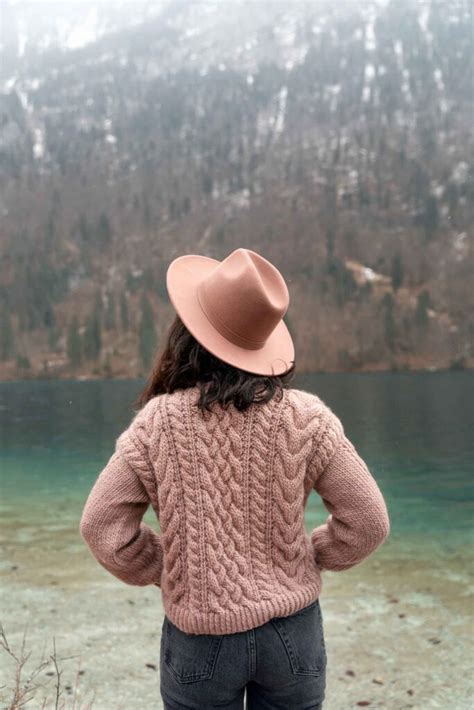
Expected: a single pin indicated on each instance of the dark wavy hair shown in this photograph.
(184, 362)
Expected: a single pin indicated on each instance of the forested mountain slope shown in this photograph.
(333, 138)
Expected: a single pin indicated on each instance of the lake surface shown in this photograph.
(415, 431)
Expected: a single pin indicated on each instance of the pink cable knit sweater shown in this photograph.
(229, 489)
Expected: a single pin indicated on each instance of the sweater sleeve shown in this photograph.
(111, 522)
(358, 522)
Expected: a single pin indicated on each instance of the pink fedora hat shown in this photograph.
(234, 308)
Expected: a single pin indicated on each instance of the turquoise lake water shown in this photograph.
(414, 430)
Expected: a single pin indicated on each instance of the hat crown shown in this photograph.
(244, 297)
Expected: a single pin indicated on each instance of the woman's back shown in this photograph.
(229, 488)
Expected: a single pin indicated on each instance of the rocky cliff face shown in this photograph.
(333, 138)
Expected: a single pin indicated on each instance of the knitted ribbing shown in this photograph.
(229, 489)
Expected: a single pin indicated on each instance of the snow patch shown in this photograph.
(9, 83)
(192, 32)
(460, 173)
(280, 117)
(461, 246)
(363, 274)
(84, 33)
(369, 72)
(369, 273)
(438, 77)
(38, 146)
(22, 42)
(370, 43)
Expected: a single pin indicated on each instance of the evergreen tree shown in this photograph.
(54, 333)
(430, 217)
(23, 362)
(83, 230)
(99, 305)
(110, 320)
(93, 333)
(147, 333)
(186, 204)
(124, 311)
(104, 230)
(207, 183)
(74, 344)
(397, 272)
(345, 284)
(147, 216)
(7, 338)
(421, 313)
(389, 321)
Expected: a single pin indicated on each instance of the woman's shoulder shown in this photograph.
(305, 400)
(310, 409)
(141, 427)
(150, 408)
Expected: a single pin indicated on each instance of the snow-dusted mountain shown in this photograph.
(334, 137)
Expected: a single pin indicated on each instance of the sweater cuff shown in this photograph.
(319, 538)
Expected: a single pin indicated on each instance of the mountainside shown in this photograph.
(333, 138)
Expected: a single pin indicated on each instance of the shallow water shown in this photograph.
(413, 430)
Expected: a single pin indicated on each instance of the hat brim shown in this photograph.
(182, 278)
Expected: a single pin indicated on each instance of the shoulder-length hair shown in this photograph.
(183, 362)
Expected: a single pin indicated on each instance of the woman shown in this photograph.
(227, 453)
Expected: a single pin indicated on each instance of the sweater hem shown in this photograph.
(246, 617)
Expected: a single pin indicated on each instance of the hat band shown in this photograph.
(223, 329)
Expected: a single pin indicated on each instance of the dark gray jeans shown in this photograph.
(279, 665)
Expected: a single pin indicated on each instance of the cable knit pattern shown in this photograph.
(261, 453)
(230, 490)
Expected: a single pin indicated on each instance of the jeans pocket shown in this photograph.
(190, 657)
(302, 636)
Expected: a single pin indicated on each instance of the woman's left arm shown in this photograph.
(111, 522)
